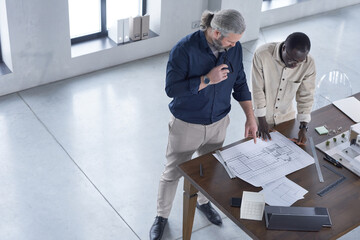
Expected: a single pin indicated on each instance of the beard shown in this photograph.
(217, 44)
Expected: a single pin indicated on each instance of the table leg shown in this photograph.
(190, 197)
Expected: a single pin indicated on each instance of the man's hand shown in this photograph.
(251, 128)
(301, 137)
(264, 129)
(250, 124)
(218, 74)
(302, 133)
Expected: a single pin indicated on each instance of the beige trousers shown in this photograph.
(184, 140)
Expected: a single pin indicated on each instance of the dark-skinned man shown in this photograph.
(282, 71)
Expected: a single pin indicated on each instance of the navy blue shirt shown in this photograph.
(192, 58)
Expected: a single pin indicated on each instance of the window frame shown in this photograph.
(104, 31)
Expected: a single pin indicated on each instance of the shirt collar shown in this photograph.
(203, 42)
(276, 53)
(205, 45)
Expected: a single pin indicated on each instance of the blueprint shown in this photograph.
(265, 161)
(282, 192)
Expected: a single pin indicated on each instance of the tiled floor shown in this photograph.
(81, 158)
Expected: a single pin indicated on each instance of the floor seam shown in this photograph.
(86, 176)
(208, 225)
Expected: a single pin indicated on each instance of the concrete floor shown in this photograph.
(81, 158)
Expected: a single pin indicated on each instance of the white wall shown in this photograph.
(40, 41)
(302, 9)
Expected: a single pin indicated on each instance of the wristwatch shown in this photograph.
(302, 126)
(206, 80)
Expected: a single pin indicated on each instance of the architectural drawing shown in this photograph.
(266, 161)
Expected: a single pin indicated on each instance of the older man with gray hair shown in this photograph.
(203, 70)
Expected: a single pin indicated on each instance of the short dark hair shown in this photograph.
(299, 41)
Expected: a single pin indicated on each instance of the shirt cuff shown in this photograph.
(194, 85)
(260, 112)
(242, 96)
(304, 117)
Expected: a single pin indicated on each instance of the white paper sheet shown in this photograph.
(350, 106)
(265, 161)
(282, 192)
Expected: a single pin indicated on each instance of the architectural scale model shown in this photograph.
(344, 148)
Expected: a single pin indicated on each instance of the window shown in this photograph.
(3, 68)
(0, 52)
(273, 4)
(1, 57)
(5, 56)
(90, 19)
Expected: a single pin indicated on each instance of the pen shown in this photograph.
(201, 170)
(332, 161)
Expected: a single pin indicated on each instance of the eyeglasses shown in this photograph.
(291, 60)
(227, 62)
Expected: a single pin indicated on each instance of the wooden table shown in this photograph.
(343, 201)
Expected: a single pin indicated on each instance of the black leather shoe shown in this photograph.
(157, 229)
(210, 213)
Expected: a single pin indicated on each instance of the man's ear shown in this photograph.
(217, 34)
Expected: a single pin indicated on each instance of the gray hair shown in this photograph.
(225, 21)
